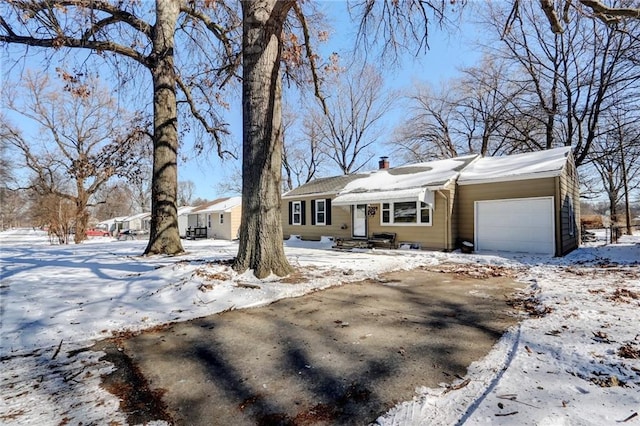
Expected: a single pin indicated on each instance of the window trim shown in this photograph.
(419, 208)
(317, 212)
(299, 213)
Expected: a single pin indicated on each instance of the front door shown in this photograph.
(360, 221)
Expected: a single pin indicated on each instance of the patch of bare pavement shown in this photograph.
(344, 355)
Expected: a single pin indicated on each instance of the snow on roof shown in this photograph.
(136, 216)
(539, 164)
(112, 220)
(432, 174)
(185, 210)
(219, 205)
(399, 183)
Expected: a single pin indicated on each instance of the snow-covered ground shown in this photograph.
(576, 364)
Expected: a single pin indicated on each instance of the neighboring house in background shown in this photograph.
(114, 225)
(183, 219)
(140, 222)
(220, 217)
(526, 202)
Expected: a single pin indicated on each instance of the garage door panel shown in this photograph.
(521, 225)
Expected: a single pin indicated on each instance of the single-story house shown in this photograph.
(525, 202)
(140, 222)
(220, 217)
(113, 225)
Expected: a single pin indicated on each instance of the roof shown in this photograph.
(531, 165)
(328, 185)
(433, 174)
(218, 205)
(184, 210)
(136, 217)
(408, 181)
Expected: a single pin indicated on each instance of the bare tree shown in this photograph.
(351, 126)
(80, 141)
(185, 192)
(425, 134)
(115, 199)
(571, 76)
(45, 209)
(135, 34)
(616, 158)
(301, 154)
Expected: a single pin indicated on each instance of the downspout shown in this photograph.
(447, 220)
(557, 214)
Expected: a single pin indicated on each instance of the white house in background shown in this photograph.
(220, 218)
(140, 222)
(113, 225)
(183, 219)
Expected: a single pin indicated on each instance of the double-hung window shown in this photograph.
(296, 215)
(321, 212)
(406, 213)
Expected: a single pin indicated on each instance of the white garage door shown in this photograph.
(519, 225)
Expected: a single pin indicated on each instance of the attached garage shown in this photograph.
(515, 225)
(527, 203)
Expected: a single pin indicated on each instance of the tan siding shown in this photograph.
(467, 195)
(236, 218)
(340, 215)
(228, 230)
(429, 237)
(569, 214)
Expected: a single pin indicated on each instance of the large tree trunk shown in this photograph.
(261, 246)
(81, 213)
(164, 237)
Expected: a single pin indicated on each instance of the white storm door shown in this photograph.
(360, 221)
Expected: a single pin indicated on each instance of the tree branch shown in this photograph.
(213, 131)
(310, 56)
(610, 14)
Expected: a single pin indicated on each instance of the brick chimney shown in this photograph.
(383, 163)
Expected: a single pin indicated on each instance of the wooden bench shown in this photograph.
(194, 233)
(383, 239)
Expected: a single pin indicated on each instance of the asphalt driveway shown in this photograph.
(339, 356)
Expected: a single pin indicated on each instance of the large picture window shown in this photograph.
(406, 213)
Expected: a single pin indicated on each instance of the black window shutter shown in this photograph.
(327, 211)
(313, 212)
(303, 212)
(290, 212)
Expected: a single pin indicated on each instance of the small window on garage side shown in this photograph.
(572, 221)
(221, 218)
(320, 212)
